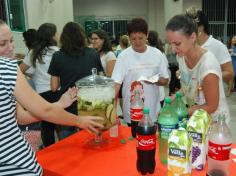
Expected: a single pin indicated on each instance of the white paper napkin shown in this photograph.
(151, 79)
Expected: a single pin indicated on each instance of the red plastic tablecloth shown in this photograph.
(74, 156)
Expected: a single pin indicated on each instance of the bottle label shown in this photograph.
(179, 153)
(146, 142)
(165, 130)
(197, 137)
(218, 151)
(136, 114)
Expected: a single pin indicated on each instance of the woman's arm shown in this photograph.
(23, 67)
(117, 89)
(55, 83)
(210, 87)
(227, 71)
(43, 110)
(109, 67)
(25, 117)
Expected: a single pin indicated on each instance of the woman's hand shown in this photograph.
(89, 123)
(192, 109)
(177, 74)
(68, 97)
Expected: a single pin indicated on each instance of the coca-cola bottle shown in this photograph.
(136, 111)
(219, 147)
(146, 144)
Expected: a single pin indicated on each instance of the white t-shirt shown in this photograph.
(41, 78)
(105, 58)
(30, 70)
(129, 66)
(161, 88)
(218, 49)
(191, 81)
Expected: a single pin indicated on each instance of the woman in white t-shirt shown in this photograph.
(215, 46)
(201, 76)
(39, 58)
(102, 44)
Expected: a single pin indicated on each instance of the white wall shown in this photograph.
(58, 12)
(111, 8)
(172, 8)
(19, 44)
(160, 22)
(156, 12)
(151, 10)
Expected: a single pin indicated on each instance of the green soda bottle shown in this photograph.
(181, 110)
(167, 121)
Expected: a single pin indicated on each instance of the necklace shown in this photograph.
(193, 59)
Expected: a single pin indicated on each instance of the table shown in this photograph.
(74, 156)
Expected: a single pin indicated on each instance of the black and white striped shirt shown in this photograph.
(16, 155)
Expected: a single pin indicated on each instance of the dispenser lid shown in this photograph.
(94, 80)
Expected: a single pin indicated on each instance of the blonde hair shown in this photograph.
(124, 40)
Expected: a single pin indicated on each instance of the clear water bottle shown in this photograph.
(219, 147)
(136, 111)
(167, 121)
(146, 144)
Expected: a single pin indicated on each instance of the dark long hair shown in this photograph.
(107, 43)
(229, 43)
(73, 40)
(45, 34)
(155, 41)
(30, 37)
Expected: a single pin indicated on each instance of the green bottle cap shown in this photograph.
(146, 111)
(178, 94)
(167, 100)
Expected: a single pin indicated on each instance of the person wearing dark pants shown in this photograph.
(47, 128)
(174, 84)
(39, 59)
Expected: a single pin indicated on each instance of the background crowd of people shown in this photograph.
(55, 63)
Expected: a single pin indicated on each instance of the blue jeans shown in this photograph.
(65, 132)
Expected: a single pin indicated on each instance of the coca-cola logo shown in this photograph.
(219, 151)
(144, 142)
(213, 150)
(136, 114)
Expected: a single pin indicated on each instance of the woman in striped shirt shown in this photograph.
(16, 155)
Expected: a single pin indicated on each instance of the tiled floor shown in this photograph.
(232, 106)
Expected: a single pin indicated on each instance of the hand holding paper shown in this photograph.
(150, 79)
